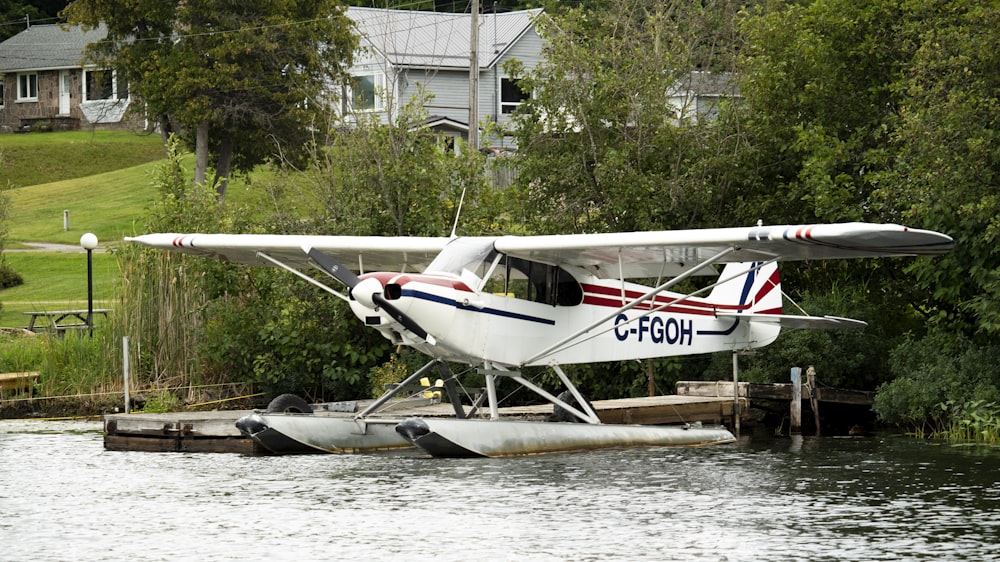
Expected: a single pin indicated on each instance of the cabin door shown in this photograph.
(65, 81)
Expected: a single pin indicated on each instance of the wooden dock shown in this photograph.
(778, 391)
(204, 432)
(182, 432)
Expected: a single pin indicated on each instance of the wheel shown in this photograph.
(289, 403)
(560, 414)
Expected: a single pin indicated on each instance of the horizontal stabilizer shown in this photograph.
(801, 322)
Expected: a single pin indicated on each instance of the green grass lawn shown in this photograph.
(110, 205)
(57, 281)
(111, 202)
(37, 158)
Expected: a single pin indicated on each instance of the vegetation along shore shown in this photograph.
(842, 112)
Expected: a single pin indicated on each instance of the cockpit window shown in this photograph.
(483, 268)
(538, 282)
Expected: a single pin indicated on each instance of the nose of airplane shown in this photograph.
(365, 291)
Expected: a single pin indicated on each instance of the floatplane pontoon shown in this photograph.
(508, 302)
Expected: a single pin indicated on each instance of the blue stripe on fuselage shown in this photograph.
(452, 302)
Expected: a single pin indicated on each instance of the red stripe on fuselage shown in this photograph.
(677, 308)
(402, 279)
(694, 306)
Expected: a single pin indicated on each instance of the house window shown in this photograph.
(98, 85)
(27, 87)
(511, 95)
(3, 91)
(365, 93)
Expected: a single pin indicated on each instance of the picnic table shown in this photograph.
(61, 320)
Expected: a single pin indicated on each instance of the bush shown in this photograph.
(9, 277)
(843, 358)
(937, 369)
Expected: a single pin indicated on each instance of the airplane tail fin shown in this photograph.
(750, 289)
(755, 295)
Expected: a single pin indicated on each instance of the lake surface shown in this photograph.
(63, 497)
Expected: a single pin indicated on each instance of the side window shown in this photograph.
(511, 95)
(3, 96)
(365, 93)
(533, 281)
(98, 85)
(104, 85)
(27, 87)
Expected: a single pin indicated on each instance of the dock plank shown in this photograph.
(18, 381)
(776, 391)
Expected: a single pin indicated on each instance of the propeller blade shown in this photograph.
(347, 277)
(334, 268)
(403, 319)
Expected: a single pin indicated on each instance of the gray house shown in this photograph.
(43, 82)
(401, 51)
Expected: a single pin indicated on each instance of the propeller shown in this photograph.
(368, 293)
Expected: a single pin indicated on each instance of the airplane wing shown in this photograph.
(666, 253)
(628, 254)
(360, 253)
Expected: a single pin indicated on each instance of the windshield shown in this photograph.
(472, 255)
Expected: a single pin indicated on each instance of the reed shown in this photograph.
(972, 421)
(20, 353)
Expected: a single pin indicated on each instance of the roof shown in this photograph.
(439, 39)
(47, 47)
(703, 83)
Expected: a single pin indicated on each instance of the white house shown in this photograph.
(402, 50)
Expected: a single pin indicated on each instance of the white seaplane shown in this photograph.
(507, 302)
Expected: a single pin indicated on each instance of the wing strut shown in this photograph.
(589, 417)
(393, 391)
(305, 277)
(565, 342)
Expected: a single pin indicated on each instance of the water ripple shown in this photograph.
(63, 497)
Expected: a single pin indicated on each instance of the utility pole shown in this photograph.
(474, 79)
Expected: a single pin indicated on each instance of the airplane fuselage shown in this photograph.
(473, 325)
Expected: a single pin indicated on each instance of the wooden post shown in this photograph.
(474, 78)
(736, 393)
(796, 406)
(813, 398)
(125, 372)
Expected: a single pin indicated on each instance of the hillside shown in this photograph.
(38, 158)
(108, 192)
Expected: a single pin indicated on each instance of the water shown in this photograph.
(63, 497)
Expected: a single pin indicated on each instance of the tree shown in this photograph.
(394, 179)
(16, 15)
(948, 160)
(239, 81)
(602, 144)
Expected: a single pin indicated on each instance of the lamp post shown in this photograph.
(89, 242)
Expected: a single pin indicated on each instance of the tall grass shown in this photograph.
(165, 294)
(164, 302)
(973, 421)
(73, 367)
